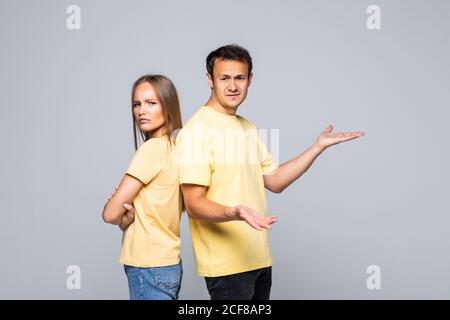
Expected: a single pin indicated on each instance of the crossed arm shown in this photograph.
(117, 209)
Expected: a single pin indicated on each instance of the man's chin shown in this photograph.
(233, 106)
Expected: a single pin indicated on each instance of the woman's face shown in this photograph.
(147, 110)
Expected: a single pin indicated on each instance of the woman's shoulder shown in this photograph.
(155, 145)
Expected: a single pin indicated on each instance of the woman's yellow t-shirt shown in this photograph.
(153, 239)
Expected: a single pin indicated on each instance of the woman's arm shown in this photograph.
(114, 209)
(128, 217)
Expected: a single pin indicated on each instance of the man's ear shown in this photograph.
(210, 80)
(250, 79)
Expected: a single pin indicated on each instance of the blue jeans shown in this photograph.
(156, 283)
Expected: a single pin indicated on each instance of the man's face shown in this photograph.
(230, 82)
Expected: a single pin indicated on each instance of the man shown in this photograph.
(224, 168)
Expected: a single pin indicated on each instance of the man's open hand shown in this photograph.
(254, 219)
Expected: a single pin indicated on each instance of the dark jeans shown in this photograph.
(250, 285)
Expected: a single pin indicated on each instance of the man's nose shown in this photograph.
(232, 86)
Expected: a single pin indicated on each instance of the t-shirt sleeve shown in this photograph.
(194, 162)
(148, 160)
(268, 165)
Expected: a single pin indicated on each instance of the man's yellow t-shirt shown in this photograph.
(153, 239)
(226, 154)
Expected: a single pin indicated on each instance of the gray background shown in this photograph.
(383, 199)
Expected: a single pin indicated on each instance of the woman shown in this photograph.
(151, 240)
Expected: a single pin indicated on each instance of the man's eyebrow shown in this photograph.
(236, 76)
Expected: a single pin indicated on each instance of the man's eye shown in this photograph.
(135, 105)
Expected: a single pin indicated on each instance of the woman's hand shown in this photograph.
(128, 217)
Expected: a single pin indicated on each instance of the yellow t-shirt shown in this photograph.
(225, 153)
(153, 239)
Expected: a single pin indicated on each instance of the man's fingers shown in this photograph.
(352, 134)
(345, 136)
(272, 218)
(328, 129)
(256, 226)
(266, 223)
(350, 137)
(253, 222)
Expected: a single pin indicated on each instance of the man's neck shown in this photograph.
(218, 107)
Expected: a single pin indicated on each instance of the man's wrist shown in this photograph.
(232, 214)
(317, 149)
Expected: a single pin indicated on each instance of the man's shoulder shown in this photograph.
(192, 125)
(198, 116)
(245, 121)
(203, 118)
